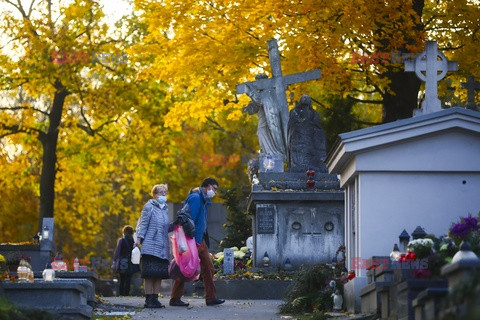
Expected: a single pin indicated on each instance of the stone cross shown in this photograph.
(471, 85)
(278, 82)
(431, 66)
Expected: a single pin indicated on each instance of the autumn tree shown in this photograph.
(203, 49)
(53, 83)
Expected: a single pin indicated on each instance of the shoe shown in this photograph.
(215, 302)
(179, 303)
(149, 301)
(156, 303)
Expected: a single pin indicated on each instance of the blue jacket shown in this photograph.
(199, 212)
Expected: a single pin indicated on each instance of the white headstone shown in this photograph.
(228, 261)
(431, 66)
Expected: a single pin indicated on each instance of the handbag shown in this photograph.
(155, 268)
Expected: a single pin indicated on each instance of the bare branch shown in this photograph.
(31, 7)
(234, 135)
(24, 108)
(19, 129)
(365, 101)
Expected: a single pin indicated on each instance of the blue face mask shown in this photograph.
(162, 199)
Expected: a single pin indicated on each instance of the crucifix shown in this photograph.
(471, 85)
(431, 66)
(270, 102)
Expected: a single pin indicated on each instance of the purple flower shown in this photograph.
(471, 222)
(460, 230)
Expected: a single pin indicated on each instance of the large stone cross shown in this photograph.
(471, 85)
(278, 81)
(431, 66)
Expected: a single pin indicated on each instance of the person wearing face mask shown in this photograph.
(152, 233)
(198, 201)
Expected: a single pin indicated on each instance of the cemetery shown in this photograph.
(360, 198)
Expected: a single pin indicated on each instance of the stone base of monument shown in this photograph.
(428, 303)
(65, 298)
(351, 294)
(248, 289)
(75, 276)
(38, 257)
(292, 220)
(408, 290)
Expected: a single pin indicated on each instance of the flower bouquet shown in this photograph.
(467, 229)
(421, 247)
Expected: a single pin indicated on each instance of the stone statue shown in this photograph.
(306, 138)
(271, 133)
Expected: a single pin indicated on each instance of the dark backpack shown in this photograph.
(186, 221)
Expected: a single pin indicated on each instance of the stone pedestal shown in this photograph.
(301, 224)
(458, 274)
(407, 291)
(351, 294)
(65, 298)
(39, 255)
(379, 277)
(427, 304)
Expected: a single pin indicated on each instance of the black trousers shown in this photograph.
(125, 279)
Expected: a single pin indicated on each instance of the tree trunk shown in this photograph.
(405, 86)
(49, 159)
(401, 105)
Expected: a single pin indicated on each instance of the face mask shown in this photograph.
(210, 194)
(162, 199)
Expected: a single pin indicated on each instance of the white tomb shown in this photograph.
(419, 171)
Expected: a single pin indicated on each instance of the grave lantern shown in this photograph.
(404, 238)
(418, 233)
(268, 163)
(265, 260)
(288, 265)
(48, 274)
(395, 254)
(45, 233)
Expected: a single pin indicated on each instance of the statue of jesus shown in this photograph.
(271, 131)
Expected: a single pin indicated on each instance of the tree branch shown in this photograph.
(365, 101)
(217, 126)
(19, 129)
(24, 108)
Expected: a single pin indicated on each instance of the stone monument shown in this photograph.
(306, 138)
(270, 101)
(427, 66)
(471, 85)
(297, 219)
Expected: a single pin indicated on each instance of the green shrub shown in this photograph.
(311, 290)
(238, 226)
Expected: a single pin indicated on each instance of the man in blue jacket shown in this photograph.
(198, 203)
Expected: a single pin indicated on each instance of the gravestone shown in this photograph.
(306, 138)
(40, 254)
(427, 66)
(471, 85)
(292, 220)
(228, 261)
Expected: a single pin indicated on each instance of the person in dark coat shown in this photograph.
(122, 258)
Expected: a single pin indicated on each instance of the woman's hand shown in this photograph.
(137, 243)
